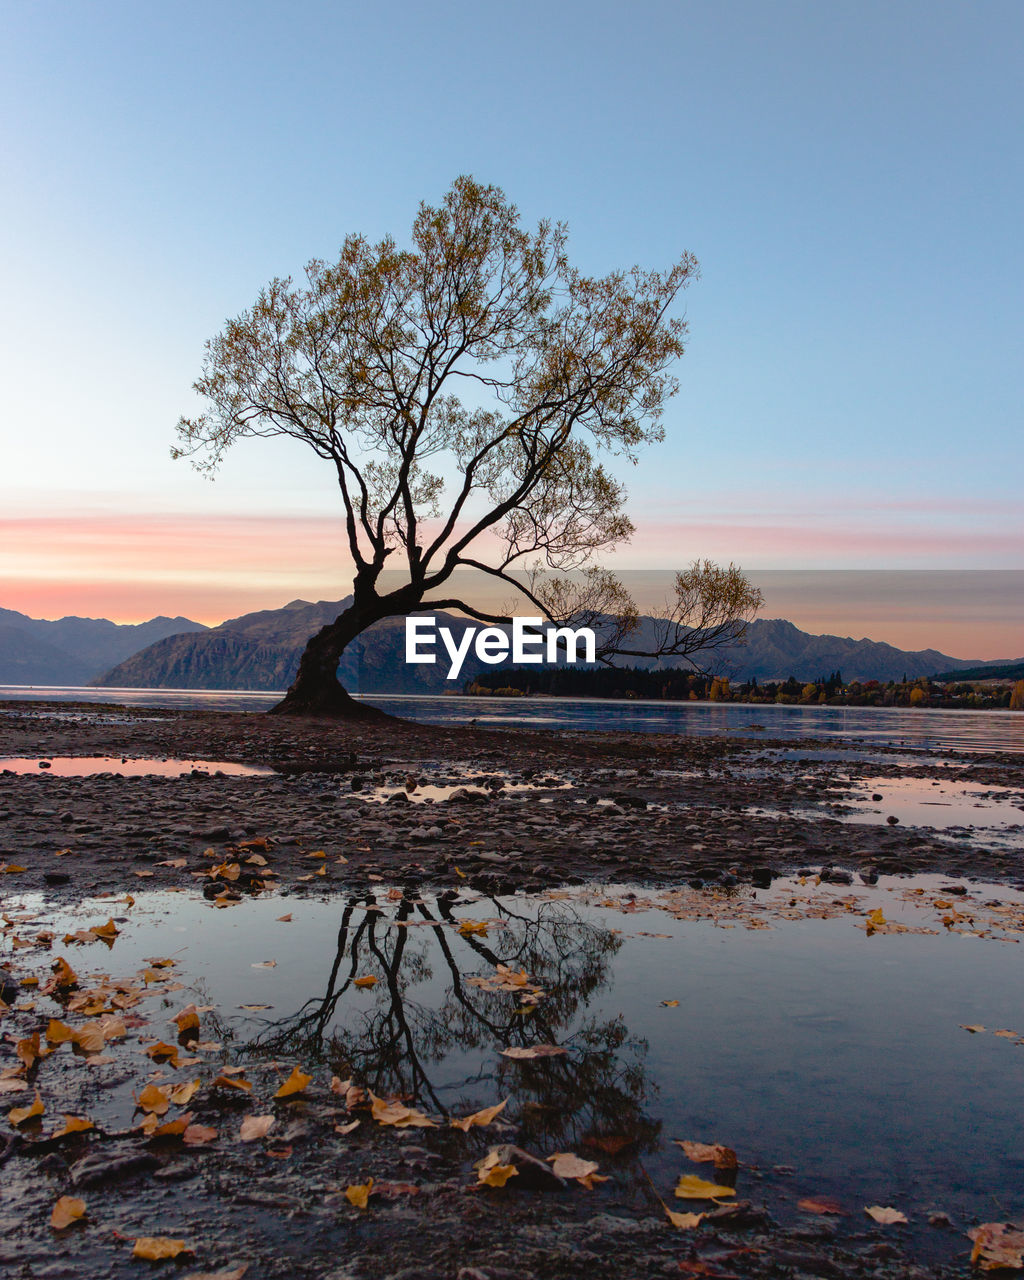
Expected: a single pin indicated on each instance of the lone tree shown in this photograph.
(463, 390)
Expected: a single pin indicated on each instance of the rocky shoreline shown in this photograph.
(650, 808)
(359, 808)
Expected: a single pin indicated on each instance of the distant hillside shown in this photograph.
(987, 671)
(261, 651)
(73, 650)
(775, 650)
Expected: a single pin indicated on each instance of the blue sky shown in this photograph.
(849, 176)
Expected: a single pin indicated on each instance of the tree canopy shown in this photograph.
(465, 391)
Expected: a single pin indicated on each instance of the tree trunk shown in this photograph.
(315, 690)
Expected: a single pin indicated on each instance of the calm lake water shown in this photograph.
(885, 726)
(836, 1057)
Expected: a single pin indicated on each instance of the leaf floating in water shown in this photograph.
(368, 981)
(709, 1153)
(534, 1051)
(820, 1205)
(670, 1004)
(693, 1188)
(18, 1115)
(885, 1215)
(295, 1083)
(399, 1115)
(974, 1028)
(997, 1244)
(481, 1118)
(73, 1124)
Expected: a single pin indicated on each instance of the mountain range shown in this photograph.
(70, 651)
(261, 651)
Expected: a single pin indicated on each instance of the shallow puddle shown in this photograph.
(860, 1043)
(126, 767)
(926, 802)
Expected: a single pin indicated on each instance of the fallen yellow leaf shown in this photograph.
(156, 1248)
(154, 1099)
(18, 1115)
(369, 981)
(66, 1211)
(73, 1124)
(709, 1152)
(397, 1114)
(685, 1221)
(359, 1195)
(567, 1165)
(255, 1127)
(480, 1118)
(295, 1083)
(693, 1188)
(493, 1174)
(886, 1216)
(997, 1244)
(182, 1094)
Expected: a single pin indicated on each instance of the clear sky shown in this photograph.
(848, 174)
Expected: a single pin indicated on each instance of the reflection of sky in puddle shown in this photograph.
(136, 767)
(926, 802)
(808, 1043)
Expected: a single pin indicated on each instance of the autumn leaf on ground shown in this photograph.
(997, 1244)
(90, 1038)
(886, 1216)
(66, 1211)
(480, 1118)
(493, 1174)
(567, 1165)
(182, 1094)
(187, 1020)
(65, 976)
(685, 1221)
(29, 1050)
(255, 1127)
(161, 1051)
(18, 1115)
(73, 1124)
(693, 1188)
(534, 1051)
(359, 1195)
(709, 1153)
(820, 1205)
(346, 1128)
(152, 1127)
(295, 1083)
(368, 981)
(154, 1099)
(399, 1115)
(224, 1081)
(156, 1248)
(197, 1135)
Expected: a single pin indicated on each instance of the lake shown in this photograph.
(876, 726)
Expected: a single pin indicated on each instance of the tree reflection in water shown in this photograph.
(418, 1019)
